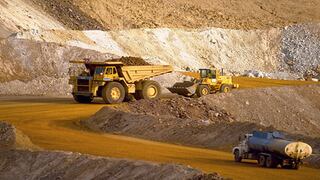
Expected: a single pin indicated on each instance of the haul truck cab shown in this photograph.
(113, 81)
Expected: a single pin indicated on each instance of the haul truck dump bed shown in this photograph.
(113, 81)
(136, 73)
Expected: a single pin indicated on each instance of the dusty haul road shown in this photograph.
(52, 123)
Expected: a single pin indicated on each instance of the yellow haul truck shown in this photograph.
(113, 81)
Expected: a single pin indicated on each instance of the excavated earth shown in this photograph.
(216, 121)
(32, 59)
(26, 161)
(241, 14)
(275, 39)
(18, 15)
(38, 38)
(34, 68)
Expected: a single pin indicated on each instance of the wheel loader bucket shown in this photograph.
(186, 88)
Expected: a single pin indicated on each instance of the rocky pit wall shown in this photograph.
(43, 56)
(20, 159)
(19, 15)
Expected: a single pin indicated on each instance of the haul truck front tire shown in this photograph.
(150, 90)
(113, 93)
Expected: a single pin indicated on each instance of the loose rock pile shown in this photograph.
(301, 50)
(7, 135)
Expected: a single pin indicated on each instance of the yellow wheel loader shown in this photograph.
(206, 81)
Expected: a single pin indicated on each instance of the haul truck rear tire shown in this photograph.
(82, 99)
(150, 90)
(113, 93)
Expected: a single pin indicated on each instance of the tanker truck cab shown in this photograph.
(271, 149)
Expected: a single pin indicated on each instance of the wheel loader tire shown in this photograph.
(225, 88)
(271, 162)
(202, 90)
(113, 93)
(262, 161)
(82, 99)
(150, 90)
(237, 157)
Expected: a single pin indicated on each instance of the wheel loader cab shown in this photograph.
(208, 73)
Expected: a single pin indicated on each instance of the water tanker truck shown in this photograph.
(113, 81)
(271, 149)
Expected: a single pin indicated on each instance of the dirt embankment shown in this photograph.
(61, 165)
(314, 160)
(41, 68)
(292, 109)
(217, 120)
(113, 14)
(11, 138)
(30, 163)
(69, 15)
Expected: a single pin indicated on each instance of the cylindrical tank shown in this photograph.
(266, 142)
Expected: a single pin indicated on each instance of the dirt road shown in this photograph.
(52, 123)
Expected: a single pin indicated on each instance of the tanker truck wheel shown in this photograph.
(271, 162)
(113, 93)
(150, 90)
(82, 99)
(202, 90)
(237, 157)
(262, 161)
(295, 166)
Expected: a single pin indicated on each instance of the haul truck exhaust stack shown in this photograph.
(270, 149)
(113, 81)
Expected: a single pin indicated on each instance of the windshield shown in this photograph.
(99, 70)
(203, 73)
(207, 73)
